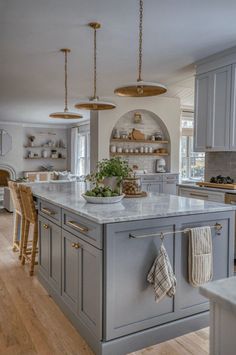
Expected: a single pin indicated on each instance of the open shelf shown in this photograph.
(44, 158)
(137, 154)
(42, 147)
(138, 141)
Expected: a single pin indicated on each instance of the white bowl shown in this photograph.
(103, 200)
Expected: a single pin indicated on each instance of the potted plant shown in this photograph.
(110, 172)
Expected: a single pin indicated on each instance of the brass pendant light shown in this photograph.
(66, 114)
(140, 88)
(95, 103)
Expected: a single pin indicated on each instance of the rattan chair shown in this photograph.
(19, 218)
(29, 251)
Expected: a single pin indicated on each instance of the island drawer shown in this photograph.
(50, 211)
(81, 227)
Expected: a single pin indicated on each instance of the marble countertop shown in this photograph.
(221, 291)
(193, 186)
(68, 196)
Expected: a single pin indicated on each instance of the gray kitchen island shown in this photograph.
(94, 260)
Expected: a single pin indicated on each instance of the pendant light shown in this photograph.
(95, 103)
(140, 88)
(66, 114)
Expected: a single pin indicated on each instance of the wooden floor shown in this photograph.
(31, 323)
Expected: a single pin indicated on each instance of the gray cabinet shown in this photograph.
(202, 111)
(163, 183)
(218, 132)
(50, 252)
(233, 110)
(212, 110)
(82, 281)
(130, 303)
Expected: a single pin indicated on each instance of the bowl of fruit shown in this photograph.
(103, 194)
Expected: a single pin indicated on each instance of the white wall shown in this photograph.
(19, 132)
(14, 157)
(168, 109)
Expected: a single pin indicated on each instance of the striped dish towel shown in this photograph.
(200, 257)
(161, 276)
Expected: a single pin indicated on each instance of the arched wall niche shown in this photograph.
(150, 124)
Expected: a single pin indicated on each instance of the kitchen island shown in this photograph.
(94, 260)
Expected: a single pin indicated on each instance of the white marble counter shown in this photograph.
(222, 292)
(68, 196)
(193, 186)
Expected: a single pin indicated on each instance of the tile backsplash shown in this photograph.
(220, 163)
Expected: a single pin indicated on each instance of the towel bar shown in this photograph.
(218, 227)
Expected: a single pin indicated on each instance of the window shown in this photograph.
(192, 163)
(83, 149)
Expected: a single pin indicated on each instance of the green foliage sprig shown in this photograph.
(114, 167)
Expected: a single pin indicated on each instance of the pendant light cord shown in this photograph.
(140, 40)
(66, 90)
(95, 65)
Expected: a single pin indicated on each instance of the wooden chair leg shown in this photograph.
(22, 236)
(15, 231)
(34, 249)
(25, 241)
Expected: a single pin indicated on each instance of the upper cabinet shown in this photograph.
(215, 103)
(212, 110)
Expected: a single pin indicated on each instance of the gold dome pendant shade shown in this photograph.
(95, 104)
(141, 88)
(66, 114)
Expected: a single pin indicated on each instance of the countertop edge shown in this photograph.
(224, 208)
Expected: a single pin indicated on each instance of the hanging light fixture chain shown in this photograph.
(95, 65)
(140, 40)
(66, 90)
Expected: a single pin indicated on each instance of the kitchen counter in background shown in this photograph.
(212, 189)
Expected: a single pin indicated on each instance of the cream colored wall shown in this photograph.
(168, 109)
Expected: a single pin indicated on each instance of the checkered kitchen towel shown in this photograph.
(161, 276)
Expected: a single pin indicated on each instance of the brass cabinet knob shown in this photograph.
(75, 245)
(45, 226)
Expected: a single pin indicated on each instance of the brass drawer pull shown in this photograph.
(48, 211)
(45, 226)
(78, 226)
(198, 195)
(75, 245)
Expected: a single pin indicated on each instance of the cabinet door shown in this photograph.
(44, 233)
(70, 271)
(188, 298)
(82, 281)
(202, 111)
(218, 130)
(169, 187)
(130, 302)
(145, 186)
(50, 252)
(155, 187)
(233, 111)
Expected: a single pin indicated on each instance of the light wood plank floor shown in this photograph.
(31, 323)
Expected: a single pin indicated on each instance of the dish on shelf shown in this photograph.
(103, 200)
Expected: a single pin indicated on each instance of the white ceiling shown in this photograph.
(176, 34)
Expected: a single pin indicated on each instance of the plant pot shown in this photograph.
(112, 182)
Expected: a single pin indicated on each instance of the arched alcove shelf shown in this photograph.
(149, 125)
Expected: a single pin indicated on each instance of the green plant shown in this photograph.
(114, 167)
